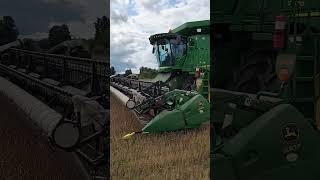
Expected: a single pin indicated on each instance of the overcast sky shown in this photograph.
(35, 17)
(133, 21)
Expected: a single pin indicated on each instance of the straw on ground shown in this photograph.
(177, 155)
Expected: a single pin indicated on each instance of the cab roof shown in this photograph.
(190, 28)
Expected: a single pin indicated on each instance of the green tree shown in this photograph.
(101, 38)
(8, 30)
(127, 72)
(112, 70)
(102, 27)
(58, 34)
(147, 73)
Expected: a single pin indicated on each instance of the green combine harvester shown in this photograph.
(266, 75)
(178, 97)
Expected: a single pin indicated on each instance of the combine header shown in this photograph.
(64, 96)
(178, 97)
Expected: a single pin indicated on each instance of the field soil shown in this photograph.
(25, 153)
(176, 155)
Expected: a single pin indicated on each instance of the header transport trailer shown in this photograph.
(65, 97)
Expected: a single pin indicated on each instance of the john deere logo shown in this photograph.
(290, 133)
(200, 105)
(292, 145)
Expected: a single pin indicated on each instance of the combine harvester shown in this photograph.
(266, 108)
(178, 97)
(66, 97)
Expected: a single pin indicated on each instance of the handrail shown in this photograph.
(59, 56)
(100, 68)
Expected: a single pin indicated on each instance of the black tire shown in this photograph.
(258, 74)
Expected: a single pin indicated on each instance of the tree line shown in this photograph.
(8, 30)
(145, 72)
(57, 34)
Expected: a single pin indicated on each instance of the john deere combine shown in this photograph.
(178, 97)
(266, 68)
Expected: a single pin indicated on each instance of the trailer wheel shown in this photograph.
(130, 104)
(66, 135)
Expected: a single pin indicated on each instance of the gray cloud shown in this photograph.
(119, 17)
(34, 16)
(119, 55)
(121, 66)
(149, 17)
(152, 5)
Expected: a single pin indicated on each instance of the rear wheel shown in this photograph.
(257, 74)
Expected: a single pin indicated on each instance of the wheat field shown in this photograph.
(175, 155)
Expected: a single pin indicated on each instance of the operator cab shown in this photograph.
(167, 48)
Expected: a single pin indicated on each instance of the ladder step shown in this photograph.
(51, 81)
(302, 100)
(35, 75)
(304, 79)
(22, 70)
(12, 66)
(305, 58)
